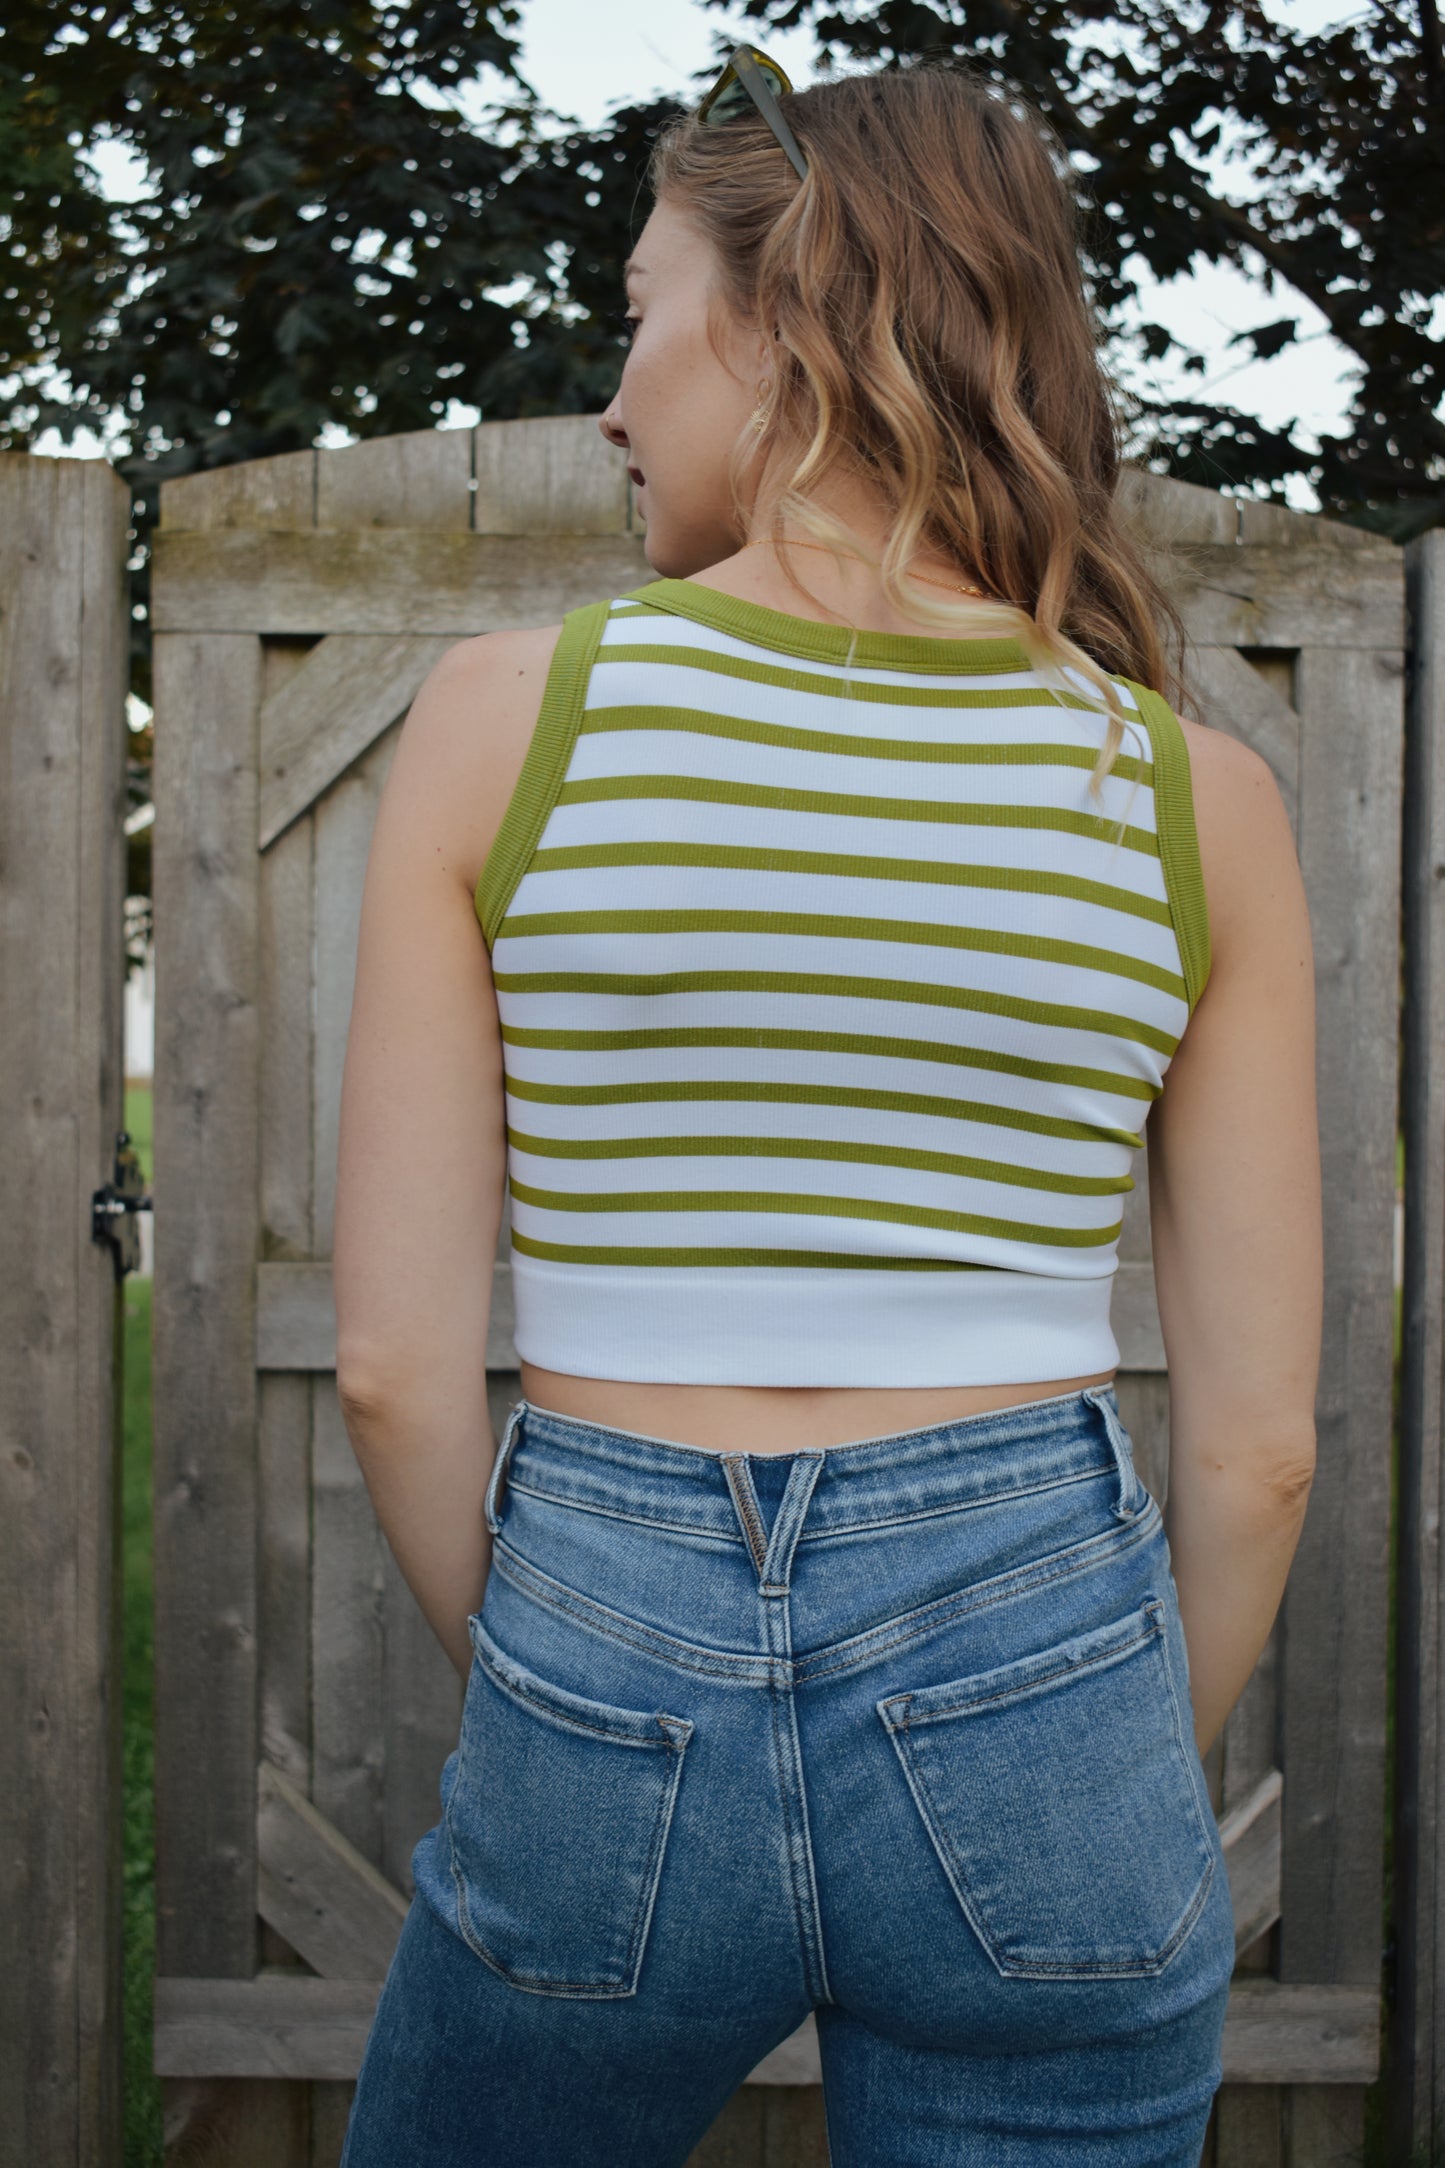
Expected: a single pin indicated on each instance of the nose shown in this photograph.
(611, 427)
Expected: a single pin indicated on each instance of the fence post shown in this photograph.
(64, 638)
(1415, 2052)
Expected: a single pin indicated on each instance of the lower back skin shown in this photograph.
(775, 1418)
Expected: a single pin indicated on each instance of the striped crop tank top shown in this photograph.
(831, 1007)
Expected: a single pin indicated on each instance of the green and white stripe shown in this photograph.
(832, 1008)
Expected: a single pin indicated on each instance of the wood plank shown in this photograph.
(234, 2123)
(1160, 509)
(100, 504)
(1157, 509)
(334, 1908)
(344, 822)
(208, 989)
(352, 1568)
(351, 688)
(1325, 2127)
(283, 1573)
(421, 1702)
(287, 930)
(1250, 1740)
(1250, 1834)
(348, 1655)
(284, 1403)
(410, 580)
(1416, 2099)
(1135, 1317)
(272, 494)
(1140, 1383)
(1288, 595)
(404, 581)
(420, 479)
(1278, 2034)
(504, 1390)
(553, 474)
(1334, 1640)
(64, 643)
(259, 2121)
(794, 2061)
(1234, 697)
(524, 462)
(287, 2025)
(1247, 1747)
(330, 2115)
(780, 2126)
(296, 1318)
(1261, 522)
(277, 2025)
(1248, 2122)
(1144, 1406)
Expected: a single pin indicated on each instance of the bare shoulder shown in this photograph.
(466, 736)
(1246, 843)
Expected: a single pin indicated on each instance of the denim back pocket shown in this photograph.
(557, 1819)
(1064, 1802)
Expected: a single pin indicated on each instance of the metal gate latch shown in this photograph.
(114, 1204)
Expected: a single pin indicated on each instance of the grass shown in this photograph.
(138, 1103)
(142, 2090)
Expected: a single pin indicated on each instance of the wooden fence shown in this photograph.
(303, 1707)
(64, 640)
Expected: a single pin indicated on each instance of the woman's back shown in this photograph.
(832, 1004)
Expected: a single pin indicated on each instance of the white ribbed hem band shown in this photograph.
(741, 1325)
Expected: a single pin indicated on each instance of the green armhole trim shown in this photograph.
(544, 767)
(1178, 837)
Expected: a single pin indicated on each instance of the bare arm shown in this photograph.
(1234, 1184)
(421, 1166)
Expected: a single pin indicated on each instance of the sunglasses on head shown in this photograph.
(751, 79)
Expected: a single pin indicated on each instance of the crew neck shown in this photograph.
(807, 636)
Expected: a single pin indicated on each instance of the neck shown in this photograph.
(804, 579)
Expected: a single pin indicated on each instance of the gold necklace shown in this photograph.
(962, 587)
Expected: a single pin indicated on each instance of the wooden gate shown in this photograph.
(304, 1709)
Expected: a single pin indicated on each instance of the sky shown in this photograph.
(583, 58)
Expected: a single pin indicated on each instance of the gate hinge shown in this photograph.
(114, 1205)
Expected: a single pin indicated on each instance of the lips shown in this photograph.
(635, 476)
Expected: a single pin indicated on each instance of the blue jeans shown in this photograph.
(898, 1732)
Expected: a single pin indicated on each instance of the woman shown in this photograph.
(815, 928)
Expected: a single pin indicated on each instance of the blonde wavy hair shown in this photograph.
(934, 341)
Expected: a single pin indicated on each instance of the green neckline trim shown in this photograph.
(790, 635)
(1178, 836)
(545, 765)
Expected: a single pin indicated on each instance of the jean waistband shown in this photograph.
(936, 1468)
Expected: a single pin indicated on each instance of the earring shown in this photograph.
(759, 418)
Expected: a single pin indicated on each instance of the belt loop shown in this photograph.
(1101, 1398)
(745, 1504)
(494, 1486)
(778, 1565)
